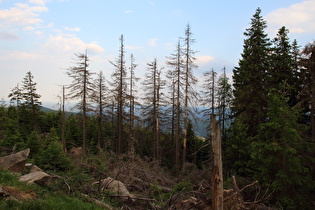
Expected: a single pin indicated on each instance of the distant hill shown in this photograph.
(45, 109)
(48, 110)
(200, 126)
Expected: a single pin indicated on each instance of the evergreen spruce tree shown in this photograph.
(251, 85)
(307, 94)
(283, 68)
(31, 99)
(279, 153)
(16, 96)
(251, 76)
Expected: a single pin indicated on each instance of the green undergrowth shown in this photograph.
(44, 198)
(161, 197)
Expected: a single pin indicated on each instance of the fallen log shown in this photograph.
(14, 162)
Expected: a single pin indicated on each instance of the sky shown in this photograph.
(42, 36)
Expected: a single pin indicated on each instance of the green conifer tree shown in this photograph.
(249, 104)
(251, 77)
(279, 151)
(31, 101)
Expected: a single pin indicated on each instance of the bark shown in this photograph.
(63, 125)
(187, 68)
(212, 92)
(84, 104)
(177, 122)
(217, 176)
(132, 109)
(120, 95)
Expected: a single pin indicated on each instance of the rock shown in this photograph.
(14, 162)
(115, 187)
(35, 168)
(38, 177)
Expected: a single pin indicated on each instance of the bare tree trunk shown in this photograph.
(120, 95)
(217, 176)
(100, 114)
(114, 142)
(212, 92)
(99, 130)
(158, 146)
(177, 149)
(84, 104)
(155, 120)
(63, 125)
(131, 110)
(185, 119)
(173, 109)
(187, 66)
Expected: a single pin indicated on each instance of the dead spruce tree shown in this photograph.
(81, 88)
(100, 96)
(132, 102)
(209, 93)
(152, 110)
(119, 86)
(224, 98)
(174, 74)
(190, 95)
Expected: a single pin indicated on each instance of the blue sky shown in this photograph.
(42, 35)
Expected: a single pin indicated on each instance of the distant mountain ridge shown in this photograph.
(200, 126)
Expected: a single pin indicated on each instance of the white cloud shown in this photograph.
(298, 18)
(21, 15)
(153, 42)
(128, 11)
(72, 43)
(204, 59)
(41, 2)
(72, 29)
(94, 48)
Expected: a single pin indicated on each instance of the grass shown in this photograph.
(45, 198)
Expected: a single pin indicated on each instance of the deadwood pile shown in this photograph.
(134, 184)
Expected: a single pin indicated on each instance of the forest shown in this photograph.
(266, 115)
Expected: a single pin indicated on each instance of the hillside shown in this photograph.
(112, 182)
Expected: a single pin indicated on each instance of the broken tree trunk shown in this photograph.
(217, 176)
(14, 162)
